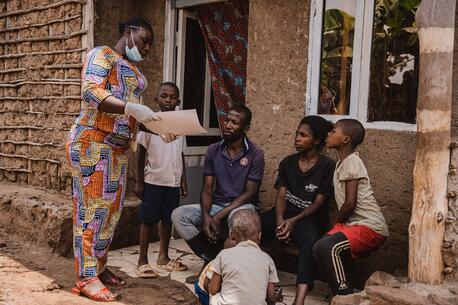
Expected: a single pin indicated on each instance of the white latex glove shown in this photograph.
(141, 113)
(168, 137)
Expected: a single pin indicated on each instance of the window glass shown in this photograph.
(194, 84)
(336, 56)
(394, 62)
(195, 68)
(194, 141)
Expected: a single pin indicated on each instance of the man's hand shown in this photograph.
(279, 221)
(207, 224)
(139, 189)
(279, 294)
(216, 224)
(183, 189)
(285, 230)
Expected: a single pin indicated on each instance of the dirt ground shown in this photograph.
(31, 274)
(35, 237)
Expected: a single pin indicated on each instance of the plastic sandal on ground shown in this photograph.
(102, 295)
(173, 265)
(146, 271)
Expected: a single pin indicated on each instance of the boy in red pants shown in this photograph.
(359, 227)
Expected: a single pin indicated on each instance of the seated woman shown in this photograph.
(304, 186)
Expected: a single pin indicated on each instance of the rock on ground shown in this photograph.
(385, 289)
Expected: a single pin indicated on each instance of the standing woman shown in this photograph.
(97, 150)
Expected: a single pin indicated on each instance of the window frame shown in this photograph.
(360, 83)
(174, 52)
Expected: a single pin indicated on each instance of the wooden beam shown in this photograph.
(88, 25)
(39, 8)
(435, 22)
(169, 41)
(189, 3)
(28, 26)
(44, 38)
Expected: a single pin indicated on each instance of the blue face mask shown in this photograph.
(132, 53)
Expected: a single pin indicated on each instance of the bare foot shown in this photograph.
(142, 261)
(162, 260)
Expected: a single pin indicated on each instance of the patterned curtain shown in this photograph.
(225, 29)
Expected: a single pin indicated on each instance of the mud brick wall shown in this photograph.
(276, 79)
(41, 49)
(276, 86)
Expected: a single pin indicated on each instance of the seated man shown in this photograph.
(236, 165)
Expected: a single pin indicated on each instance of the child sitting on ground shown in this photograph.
(243, 274)
(359, 227)
(201, 286)
(159, 183)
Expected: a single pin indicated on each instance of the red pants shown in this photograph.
(334, 252)
(363, 239)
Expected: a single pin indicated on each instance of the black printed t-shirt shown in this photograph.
(302, 188)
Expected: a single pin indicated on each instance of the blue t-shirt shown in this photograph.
(231, 175)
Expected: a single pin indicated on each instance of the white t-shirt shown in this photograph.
(367, 211)
(246, 271)
(164, 165)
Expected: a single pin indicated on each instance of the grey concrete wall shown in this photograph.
(276, 83)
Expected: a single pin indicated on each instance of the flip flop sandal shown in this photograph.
(111, 279)
(173, 265)
(99, 296)
(146, 271)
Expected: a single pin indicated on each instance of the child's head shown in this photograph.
(346, 132)
(168, 96)
(245, 225)
(311, 133)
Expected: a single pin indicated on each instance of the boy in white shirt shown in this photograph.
(160, 181)
(243, 274)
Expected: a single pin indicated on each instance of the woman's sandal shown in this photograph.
(102, 295)
(109, 278)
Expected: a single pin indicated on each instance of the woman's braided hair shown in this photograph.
(136, 22)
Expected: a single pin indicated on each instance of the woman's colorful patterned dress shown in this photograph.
(97, 151)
